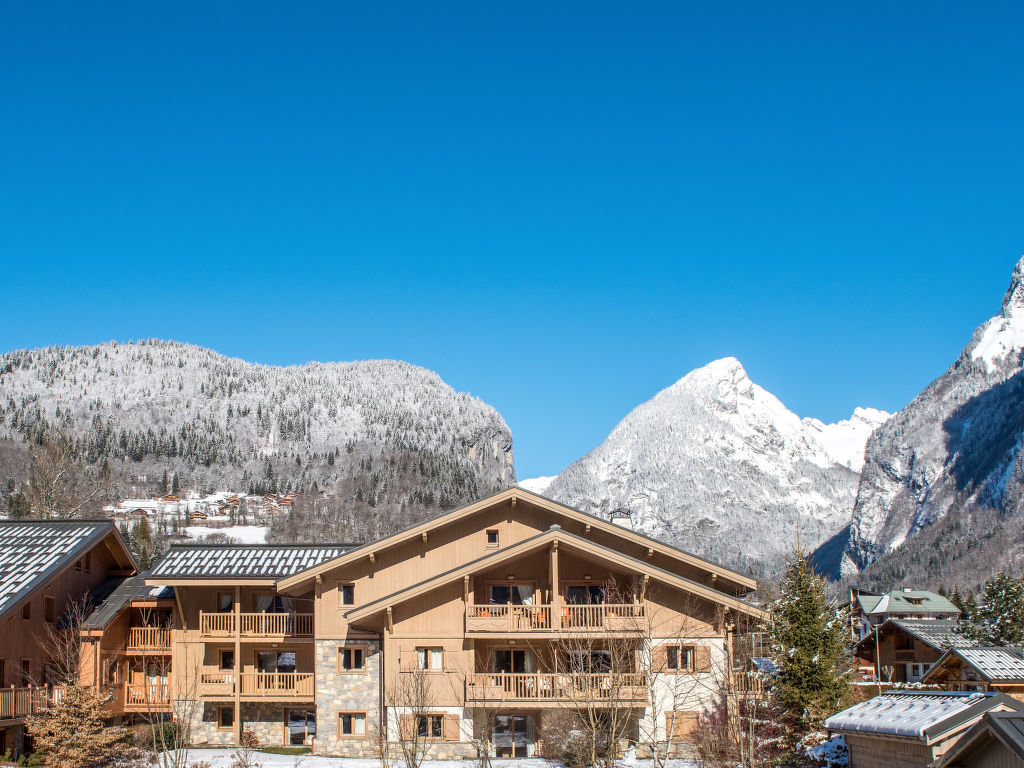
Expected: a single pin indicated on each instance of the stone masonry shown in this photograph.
(346, 692)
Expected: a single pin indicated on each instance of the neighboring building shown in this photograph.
(126, 647)
(980, 669)
(508, 611)
(906, 648)
(911, 729)
(871, 609)
(995, 741)
(46, 566)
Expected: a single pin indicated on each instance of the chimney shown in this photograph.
(621, 518)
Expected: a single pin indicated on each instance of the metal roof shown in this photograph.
(939, 634)
(996, 664)
(1006, 727)
(255, 561)
(32, 551)
(132, 588)
(920, 715)
(903, 601)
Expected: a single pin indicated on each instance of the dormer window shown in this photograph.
(492, 538)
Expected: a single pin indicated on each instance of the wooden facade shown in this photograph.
(508, 612)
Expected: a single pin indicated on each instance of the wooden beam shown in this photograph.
(391, 621)
(643, 587)
(650, 551)
(513, 500)
(373, 558)
(586, 529)
(181, 613)
(465, 589)
(424, 535)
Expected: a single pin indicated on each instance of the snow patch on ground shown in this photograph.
(844, 441)
(244, 534)
(221, 758)
(536, 484)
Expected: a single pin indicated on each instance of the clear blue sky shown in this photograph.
(560, 207)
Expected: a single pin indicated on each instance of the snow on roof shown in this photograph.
(904, 601)
(33, 550)
(995, 663)
(915, 715)
(764, 664)
(199, 561)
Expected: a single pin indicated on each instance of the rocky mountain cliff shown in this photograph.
(383, 435)
(721, 467)
(940, 496)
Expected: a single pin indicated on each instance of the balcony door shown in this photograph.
(513, 736)
(272, 663)
(301, 726)
(586, 594)
(518, 661)
(273, 604)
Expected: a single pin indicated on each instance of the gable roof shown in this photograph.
(1004, 727)
(744, 583)
(553, 534)
(263, 562)
(127, 590)
(920, 715)
(903, 601)
(939, 634)
(33, 551)
(996, 664)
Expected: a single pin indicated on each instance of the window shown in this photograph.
(275, 661)
(3, 673)
(351, 660)
(227, 658)
(225, 602)
(301, 726)
(431, 659)
(26, 611)
(347, 594)
(904, 642)
(586, 594)
(50, 609)
(511, 660)
(273, 604)
(679, 658)
(429, 726)
(515, 593)
(352, 725)
(492, 538)
(225, 718)
(78, 564)
(26, 672)
(88, 562)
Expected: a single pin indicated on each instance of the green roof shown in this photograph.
(905, 601)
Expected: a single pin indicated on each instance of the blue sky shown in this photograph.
(560, 207)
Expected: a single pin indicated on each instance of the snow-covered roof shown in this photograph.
(940, 634)
(995, 664)
(205, 561)
(905, 601)
(764, 664)
(31, 551)
(131, 588)
(920, 715)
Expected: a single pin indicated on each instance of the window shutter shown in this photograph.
(451, 727)
(659, 659)
(702, 660)
(406, 727)
(680, 726)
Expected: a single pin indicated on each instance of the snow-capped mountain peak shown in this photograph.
(1003, 335)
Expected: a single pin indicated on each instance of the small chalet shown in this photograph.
(197, 514)
(871, 609)
(995, 741)
(912, 729)
(902, 650)
(980, 669)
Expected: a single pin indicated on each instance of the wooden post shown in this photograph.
(238, 664)
(556, 600)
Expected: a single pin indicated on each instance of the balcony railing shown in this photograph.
(256, 624)
(540, 687)
(147, 696)
(149, 639)
(28, 700)
(546, 618)
(268, 685)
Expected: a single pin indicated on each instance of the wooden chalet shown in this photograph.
(995, 741)
(980, 669)
(903, 650)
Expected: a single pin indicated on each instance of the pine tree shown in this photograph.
(998, 618)
(174, 483)
(163, 484)
(808, 637)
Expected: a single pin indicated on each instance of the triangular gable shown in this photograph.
(511, 495)
(541, 540)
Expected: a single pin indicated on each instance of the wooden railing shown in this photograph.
(537, 687)
(256, 624)
(545, 618)
(272, 684)
(147, 695)
(149, 639)
(28, 700)
(263, 684)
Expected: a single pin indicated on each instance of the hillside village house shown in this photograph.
(995, 741)
(869, 609)
(46, 566)
(980, 669)
(903, 650)
(484, 625)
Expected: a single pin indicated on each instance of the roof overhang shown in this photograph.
(540, 541)
(212, 581)
(510, 495)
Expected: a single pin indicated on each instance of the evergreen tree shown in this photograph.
(174, 483)
(998, 618)
(18, 506)
(163, 484)
(808, 637)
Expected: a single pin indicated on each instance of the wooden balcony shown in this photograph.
(147, 697)
(149, 639)
(541, 688)
(558, 618)
(256, 625)
(28, 700)
(905, 655)
(287, 686)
